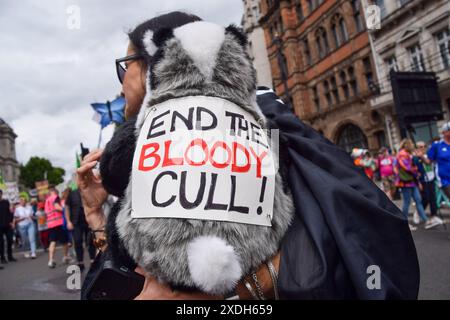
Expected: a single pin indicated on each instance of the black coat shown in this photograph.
(344, 228)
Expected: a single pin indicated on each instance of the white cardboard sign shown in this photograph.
(203, 158)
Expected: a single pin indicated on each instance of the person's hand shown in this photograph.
(155, 290)
(93, 194)
(69, 225)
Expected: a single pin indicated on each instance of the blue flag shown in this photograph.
(110, 111)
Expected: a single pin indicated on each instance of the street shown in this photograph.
(32, 279)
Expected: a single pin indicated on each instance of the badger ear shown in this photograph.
(156, 39)
(238, 33)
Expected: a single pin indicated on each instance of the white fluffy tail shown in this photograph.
(213, 264)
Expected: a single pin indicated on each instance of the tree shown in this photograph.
(35, 170)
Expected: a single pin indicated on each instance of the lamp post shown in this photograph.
(283, 70)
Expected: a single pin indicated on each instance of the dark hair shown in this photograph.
(169, 20)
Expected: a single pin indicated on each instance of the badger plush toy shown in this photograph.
(198, 59)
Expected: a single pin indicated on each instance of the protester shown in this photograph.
(427, 185)
(369, 165)
(439, 153)
(42, 225)
(23, 215)
(53, 209)
(407, 179)
(76, 222)
(310, 250)
(6, 229)
(385, 163)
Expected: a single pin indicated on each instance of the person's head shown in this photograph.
(137, 60)
(66, 193)
(53, 190)
(421, 146)
(446, 131)
(407, 145)
(22, 201)
(384, 151)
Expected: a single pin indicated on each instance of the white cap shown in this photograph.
(445, 127)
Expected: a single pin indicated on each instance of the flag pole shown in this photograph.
(100, 138)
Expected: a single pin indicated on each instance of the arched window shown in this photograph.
(350, 137)
(343, 30)
(322, 42)
(339, 30)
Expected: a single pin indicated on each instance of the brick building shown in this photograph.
(322, 47)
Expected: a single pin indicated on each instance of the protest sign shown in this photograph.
(203, 158)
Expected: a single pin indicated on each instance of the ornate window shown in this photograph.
(356, 6)
(339, 30)
(416, 58)
(351, 137)
(443, 42)
(322, 42)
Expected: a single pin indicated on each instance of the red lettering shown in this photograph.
(258, 161)
(167, 160)
(223, 145)
(234, 166)
(201, 143)
(152, 154)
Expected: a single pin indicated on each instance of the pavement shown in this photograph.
(32, 279)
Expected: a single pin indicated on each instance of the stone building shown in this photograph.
(414, 35)
(328, 65)
(9, 166)
(257, 42)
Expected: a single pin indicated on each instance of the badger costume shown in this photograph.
(330, 221)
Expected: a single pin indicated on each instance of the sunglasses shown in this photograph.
(121, 67)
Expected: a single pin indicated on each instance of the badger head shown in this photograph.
(200, 58)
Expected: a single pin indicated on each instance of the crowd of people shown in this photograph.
(417, 171)
(32, 224)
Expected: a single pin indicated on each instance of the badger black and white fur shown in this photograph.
(205, 59)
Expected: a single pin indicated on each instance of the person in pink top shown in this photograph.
(54, 211)
(385, 163)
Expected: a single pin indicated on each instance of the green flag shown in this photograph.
(77, 161)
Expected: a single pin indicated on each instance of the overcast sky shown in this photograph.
(50, 74)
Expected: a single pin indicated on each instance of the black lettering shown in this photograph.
(234, 118)
(210, 205)
(173, 175)
(256, 133)
(198, 125)
(201, 191)
(187, 122)
(233, 207)
(154, 125)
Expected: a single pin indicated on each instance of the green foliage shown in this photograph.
(35, 170)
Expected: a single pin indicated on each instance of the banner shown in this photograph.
(42, 189)
(203, 158)
(12, 192)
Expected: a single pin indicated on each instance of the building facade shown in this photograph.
(329, 70)
(257, 42)
(414, 36)
(9, 166)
